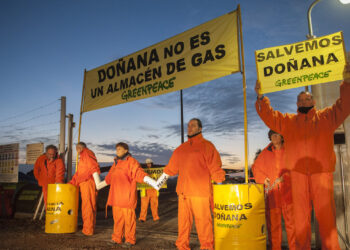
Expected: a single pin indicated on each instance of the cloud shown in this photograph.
(160, 153)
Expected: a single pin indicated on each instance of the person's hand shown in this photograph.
(258, 88)
(279, 180)
(267, 182)
(346, 73)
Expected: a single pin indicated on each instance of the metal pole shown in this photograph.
(62, 143)
(244, 97)
(311, 33)
(70, 146)
(81, 114)
(38, 206)
(182, 118)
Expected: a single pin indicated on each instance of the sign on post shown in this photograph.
(33, 151)
(9, 162)
(300, 64)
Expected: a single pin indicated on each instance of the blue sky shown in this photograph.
(46, 45)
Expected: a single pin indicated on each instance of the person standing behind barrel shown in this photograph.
(269, 169)
(86, 178)
(198, 163)
(122, 177)
(149, 195)
(49, 169)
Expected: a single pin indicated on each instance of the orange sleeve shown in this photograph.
(173, 167)
(73, 181)
(259, 169)
(92, 162)
(214, 163)
(36, 170)
(60, 170)
(109, 175)
(137, 172)
(338, 112)
(272, 118)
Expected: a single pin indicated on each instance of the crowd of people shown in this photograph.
(296, 169)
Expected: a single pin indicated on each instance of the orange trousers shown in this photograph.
(199, 207)
(124, 225)
(317, 188)
(88, 206)
(151, 197)
(274, 226)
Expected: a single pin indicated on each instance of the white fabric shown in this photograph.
(99, 184)
(161, 180)
(150, 182)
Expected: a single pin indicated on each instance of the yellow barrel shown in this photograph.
(239, 216)
(62, 208)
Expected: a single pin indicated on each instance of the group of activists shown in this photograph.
(296, 169)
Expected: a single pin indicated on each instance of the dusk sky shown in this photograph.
(46, 45)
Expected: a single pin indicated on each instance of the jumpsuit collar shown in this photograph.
(195, 138)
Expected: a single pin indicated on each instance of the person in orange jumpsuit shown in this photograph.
(310, 156)
(197, 163)
(49, 169)
(149, 195)
(268, 169)
(84, 178)
(122, 178)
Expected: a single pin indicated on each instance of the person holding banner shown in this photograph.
(197, 162)
(122, 177)
(269, 169)
(87, 178)
(310, 156)
(49, 169)
(149, 196)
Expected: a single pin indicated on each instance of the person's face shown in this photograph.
(193, 128)
(149, 165)
(120, 151)
(305, 100)
(51, 154)
(79, 148)
(276, 139)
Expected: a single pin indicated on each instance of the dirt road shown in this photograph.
(27, 234)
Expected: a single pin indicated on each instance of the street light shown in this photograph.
(311, 34)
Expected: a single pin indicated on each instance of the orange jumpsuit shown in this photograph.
(83, 178)
(122, 178)
(197, 162)
(149, 196)
(269, 164)
(48, 172)
(310, 156)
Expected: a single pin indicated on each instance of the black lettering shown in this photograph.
(336, 40)
(101, 75)
(325, 42)
(110, 72)
(268, 70)
(196, 59)
(332, 58)
(205, 38)
(220, 50)
(194, 42)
